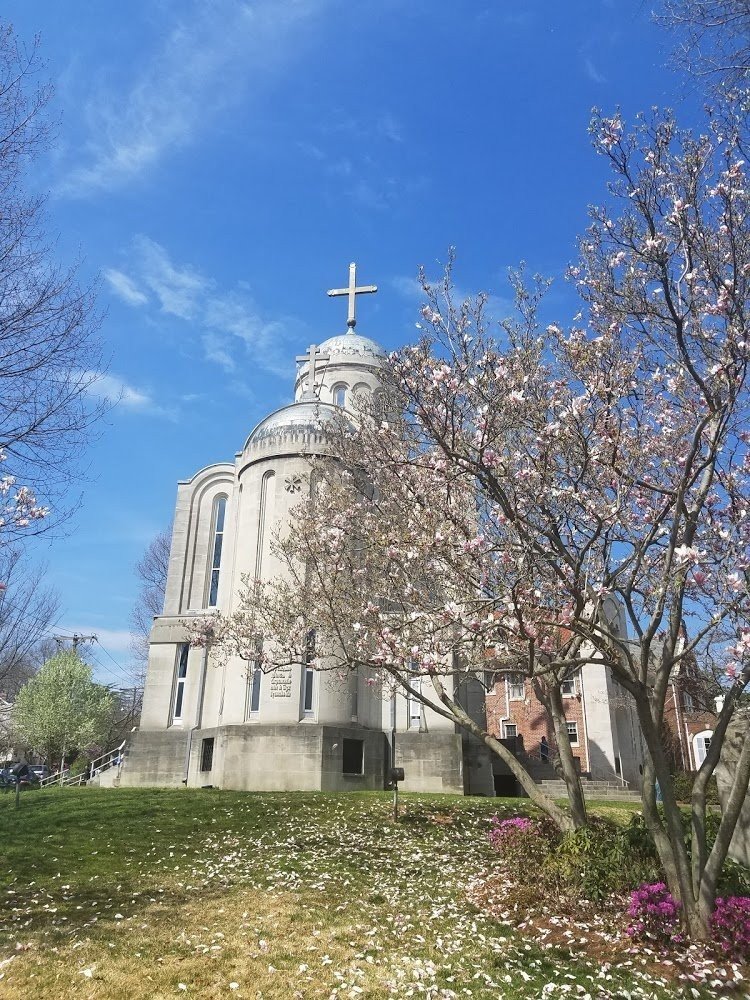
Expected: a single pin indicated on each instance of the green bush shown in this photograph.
(601, 859)
(683, 787)
(79, 766)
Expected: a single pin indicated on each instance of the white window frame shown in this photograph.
(516, 687)
(340, 387)
(308, 676)
(573, 734)
(217, 535)
(570, 683)
(180, 682)
(506, 727)
(700, 750)
(414, 705)
(254, 688)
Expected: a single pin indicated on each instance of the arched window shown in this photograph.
(217, 539)
(339, 394)
(701, 746)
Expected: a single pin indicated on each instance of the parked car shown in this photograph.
(19, 774)
(40, 770)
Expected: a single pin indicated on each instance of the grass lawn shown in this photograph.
(158, 893)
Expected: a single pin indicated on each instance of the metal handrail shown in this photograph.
(112, 758)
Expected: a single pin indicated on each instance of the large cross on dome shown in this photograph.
(353, 291)
(313, 356)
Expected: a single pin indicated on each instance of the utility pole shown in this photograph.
(75, 639)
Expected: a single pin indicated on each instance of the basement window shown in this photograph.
(207, 754)
(353, 756)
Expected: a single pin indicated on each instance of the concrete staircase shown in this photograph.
(592, 789)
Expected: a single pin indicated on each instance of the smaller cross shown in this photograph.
(352, 291)
(312, 357)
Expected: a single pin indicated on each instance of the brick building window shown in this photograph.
(568, 687)
(510, 729)
(515, 687)
(572, 728)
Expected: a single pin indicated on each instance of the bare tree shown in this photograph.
(28, 609)
(151, 570)
(49, 352)
(714, 39)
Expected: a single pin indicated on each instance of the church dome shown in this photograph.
(351, 347)
(297, 418)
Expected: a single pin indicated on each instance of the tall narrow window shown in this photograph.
(220, 509)
(309, 673)
(354, 694)
(254, 678)
(180, 679)
(414, 705)
(339, 395)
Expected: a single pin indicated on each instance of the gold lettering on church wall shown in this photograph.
(281, 683)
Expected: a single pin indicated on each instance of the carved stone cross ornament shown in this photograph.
(352, 291)
(313, 356)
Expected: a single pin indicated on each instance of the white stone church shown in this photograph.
(230, 725)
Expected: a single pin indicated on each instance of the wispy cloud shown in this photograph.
(119, 393)
(215, 53)
(228, 319)
(592, 72)
(363, 152)
(124, 288)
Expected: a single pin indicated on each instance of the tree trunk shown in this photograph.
(453, 710)
(552, 698)
(668, 834)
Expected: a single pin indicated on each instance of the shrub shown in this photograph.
(601, 859)
(683, 787)
(730, 926)
(523, 843)
(734, 879)
(655, 914)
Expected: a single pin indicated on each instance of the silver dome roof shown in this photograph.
(353, 347)
(310, 416)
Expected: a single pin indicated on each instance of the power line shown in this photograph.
(106, 652)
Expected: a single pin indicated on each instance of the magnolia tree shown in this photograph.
(539, 500)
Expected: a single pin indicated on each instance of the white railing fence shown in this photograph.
(105, 761)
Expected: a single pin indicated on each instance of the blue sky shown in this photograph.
(219, 163)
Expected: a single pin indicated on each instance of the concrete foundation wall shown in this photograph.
(287, 758)
(432, 762)
(155, 758)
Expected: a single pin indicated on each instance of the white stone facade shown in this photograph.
(223, 724)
